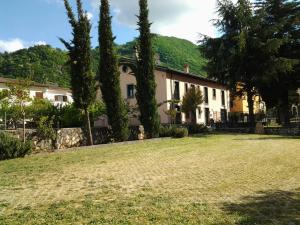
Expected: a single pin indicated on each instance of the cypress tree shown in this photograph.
(83, 83)
(109, 76)
(146, 86)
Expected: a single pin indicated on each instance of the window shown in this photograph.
(223, 97)
(61, 98)
(214, 94)
(125, 69)
(206, 95)
(130, 91)
(199, 112)
(186, 86)
(176, 91)
(39, 95)
(192, 86)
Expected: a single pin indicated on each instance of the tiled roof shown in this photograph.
(168, 69)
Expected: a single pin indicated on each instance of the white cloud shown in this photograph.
(17, 44)
(180, 18)
(89, 15)
(11, 45)
(40, 43)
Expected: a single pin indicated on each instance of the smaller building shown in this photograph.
(239, 107)
(53, 93)
(296, 107)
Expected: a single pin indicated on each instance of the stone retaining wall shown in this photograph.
(73, 137)
(290, 131)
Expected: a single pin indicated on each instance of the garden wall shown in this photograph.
(290, 131)
(73, 137)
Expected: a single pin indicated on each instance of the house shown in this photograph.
(296, 108)
(55, 94)
(240, 110)
(172, 85)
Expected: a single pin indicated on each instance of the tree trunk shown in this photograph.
(5, 121)
(251, 108)
(24, 129)
(89, 129)
(284, 110)
(194, 117)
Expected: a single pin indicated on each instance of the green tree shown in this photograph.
(109, 77)
(83, 83)
(146, 86)
(19, 98)
(191, 101)
(279, 53)
(231, 56)
(4, 106)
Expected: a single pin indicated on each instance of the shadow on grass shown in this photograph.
(266, 137)
(267, 208)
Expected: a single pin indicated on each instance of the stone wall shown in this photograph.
(69, 138)
(290, 131)
(73, 137)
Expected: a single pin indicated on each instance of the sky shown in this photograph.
(24, 23)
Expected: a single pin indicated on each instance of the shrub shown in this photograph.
(165, 131)
(173, 131)
(11, 147)
(196, 128)
(180, 132)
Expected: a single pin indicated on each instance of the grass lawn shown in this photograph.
(213, 180)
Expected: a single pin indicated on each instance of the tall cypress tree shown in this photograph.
(146, 86)
(83, 83)
(109, 76)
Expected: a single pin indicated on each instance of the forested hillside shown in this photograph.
(172, 52)
(45, 64)
(42, 64)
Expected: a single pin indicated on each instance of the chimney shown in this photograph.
(187, 68)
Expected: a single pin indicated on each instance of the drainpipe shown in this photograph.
(171, 94)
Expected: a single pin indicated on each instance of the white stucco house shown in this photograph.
(56, 95)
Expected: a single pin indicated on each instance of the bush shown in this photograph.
(196, 128)
(11, 147)
(165, 131)
(172, 131)
(180, 132)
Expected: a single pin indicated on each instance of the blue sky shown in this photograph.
(38, 21)
(24, 23)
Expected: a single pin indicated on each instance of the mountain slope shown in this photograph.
(172, 52)
(45, 64)
(42, 64)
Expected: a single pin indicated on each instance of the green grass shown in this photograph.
(211, 180)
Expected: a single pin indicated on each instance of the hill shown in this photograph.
(42, 64)
(45, 64)
(172, 52)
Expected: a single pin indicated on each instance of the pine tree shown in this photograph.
(146, 86)
(279, 48)
(83, 83)
(231, 57)
(109, 76)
